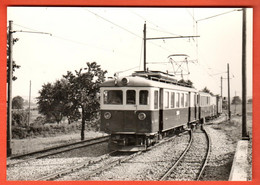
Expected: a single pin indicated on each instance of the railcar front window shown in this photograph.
(114, 97)
(130, 97)
(143, 97)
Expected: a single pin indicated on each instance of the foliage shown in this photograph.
(65, 97)
(84, 91)
(186, 82)
(52, 99)
(236, 100)
(206, 90)
(20, 118)
(17, 102)
(36, 130)
(15, 66)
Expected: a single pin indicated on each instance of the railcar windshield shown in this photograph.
(130, 97)
(114, 97)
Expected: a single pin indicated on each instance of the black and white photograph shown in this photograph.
(129, 93)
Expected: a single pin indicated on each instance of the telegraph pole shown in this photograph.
(29, 113)
(244, 95)
(10, 79)
(229, 112)
(221, 80)
(145, 46)
(156, 38)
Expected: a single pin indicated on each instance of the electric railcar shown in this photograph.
(138, 110)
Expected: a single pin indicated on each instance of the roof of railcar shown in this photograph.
(136, 81)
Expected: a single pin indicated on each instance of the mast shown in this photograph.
(145, 46)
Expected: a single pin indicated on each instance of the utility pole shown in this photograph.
(10, 79)
(235, 103)
(156, 38)
(221, 87)
(229, 111)
(29, 113)
(145, 46)
(245, 135)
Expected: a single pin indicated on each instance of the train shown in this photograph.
(139, 110)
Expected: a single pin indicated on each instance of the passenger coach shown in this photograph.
(138, 110)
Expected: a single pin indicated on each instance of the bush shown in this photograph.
(21, 132)
(20, 117)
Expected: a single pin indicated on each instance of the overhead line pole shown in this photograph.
(9, 88)
(245, 134)
(10, 79)
(145, 46)
(229, 111)
(156, 38)
(221, 79)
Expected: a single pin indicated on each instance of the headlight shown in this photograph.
(125, 81)
(141, 116)
(107, 115)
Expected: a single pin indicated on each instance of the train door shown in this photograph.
(161, 110)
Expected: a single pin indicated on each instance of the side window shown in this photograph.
(143, 97)
(195, 100)
(172, 99)
(113, 97)
(166, 99)
(187, 100)
(178, 100)
(130, 97)
(156, 103)
(182, 100)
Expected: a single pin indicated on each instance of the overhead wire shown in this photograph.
(123, 28)
(65, 39)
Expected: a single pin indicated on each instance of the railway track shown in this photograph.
(93, 167)
(18, 159)
(190, 165)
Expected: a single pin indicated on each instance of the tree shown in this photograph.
(84, 91)
(52, 100)
(15, 66)
(206, 90)
(188, 82)
(17, 102)
(236, 100)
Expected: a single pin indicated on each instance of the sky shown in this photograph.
(67, 38)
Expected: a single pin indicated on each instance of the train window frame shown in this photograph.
(167, 99)
(186, 103)
(172, 99)
(156, 99)
(178, 100)
(141, 98)
(127, 103)
(182, 99)
(118, 100)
